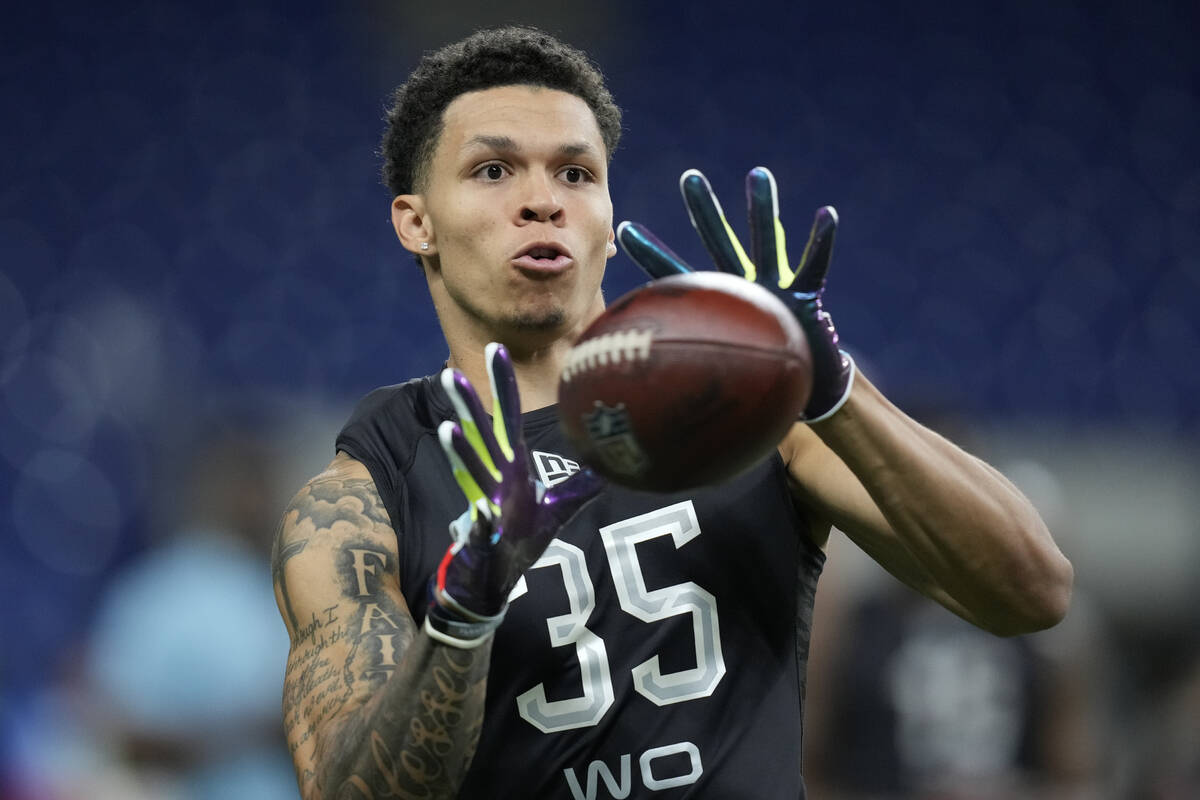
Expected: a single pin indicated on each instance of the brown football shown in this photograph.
(684, 382)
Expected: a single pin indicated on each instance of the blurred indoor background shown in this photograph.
(198, 278)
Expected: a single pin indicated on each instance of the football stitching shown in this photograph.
(607, 348)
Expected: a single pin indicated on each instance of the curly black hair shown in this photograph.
(506, 56)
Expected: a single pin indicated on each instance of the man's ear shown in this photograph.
(413, 227)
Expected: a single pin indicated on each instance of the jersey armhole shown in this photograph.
(808, 526)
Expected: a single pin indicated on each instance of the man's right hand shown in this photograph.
(511, 516)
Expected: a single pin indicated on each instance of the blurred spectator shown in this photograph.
(916, 703)
(906, 700)
(1167, 736)
(177, 694)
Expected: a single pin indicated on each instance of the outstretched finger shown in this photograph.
(814, 264)
(506, 401)
(768, 249)
(473, 477)
(472, 418)
(649, 252)
(709, 221)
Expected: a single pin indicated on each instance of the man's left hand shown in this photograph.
(800, 289)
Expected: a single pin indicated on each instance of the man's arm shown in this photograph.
(372, 706)
(942, 521)
(936, 517)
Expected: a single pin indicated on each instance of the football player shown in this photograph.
(571, 639)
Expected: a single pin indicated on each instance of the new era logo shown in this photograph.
(553, 468)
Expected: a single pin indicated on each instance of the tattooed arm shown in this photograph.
(372, 706)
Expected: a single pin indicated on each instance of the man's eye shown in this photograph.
(494, 172)
(573, 175)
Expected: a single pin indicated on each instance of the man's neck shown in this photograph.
(537, 357)
(537, 371)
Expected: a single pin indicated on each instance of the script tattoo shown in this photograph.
(314, 687)
(328, 657)
(420, 741)
(397, 715)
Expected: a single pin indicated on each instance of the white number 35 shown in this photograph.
(649, 605)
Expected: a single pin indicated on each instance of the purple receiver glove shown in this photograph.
(511, 515)
(801, 289)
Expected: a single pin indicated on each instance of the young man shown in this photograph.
(579, 640)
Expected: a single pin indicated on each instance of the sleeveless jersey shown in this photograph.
(656, 650)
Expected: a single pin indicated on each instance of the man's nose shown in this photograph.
(540, 202)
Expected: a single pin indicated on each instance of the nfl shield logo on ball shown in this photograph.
(612, 436)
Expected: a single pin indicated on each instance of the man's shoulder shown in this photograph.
(416, 399)
(388, 421)
(406, 392)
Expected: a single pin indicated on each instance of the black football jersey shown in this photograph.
(656, 650)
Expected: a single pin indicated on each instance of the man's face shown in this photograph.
(520, 216)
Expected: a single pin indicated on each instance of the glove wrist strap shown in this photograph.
(448, 622)
(463, 635)
(845, 393)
